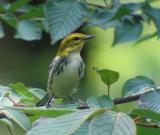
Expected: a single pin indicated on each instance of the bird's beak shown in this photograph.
(89, 37)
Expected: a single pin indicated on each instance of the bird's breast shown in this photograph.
(65, 83)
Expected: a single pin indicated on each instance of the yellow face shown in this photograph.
(73, 43)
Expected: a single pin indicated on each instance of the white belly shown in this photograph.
(65, 84)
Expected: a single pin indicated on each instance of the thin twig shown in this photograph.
(126, 99)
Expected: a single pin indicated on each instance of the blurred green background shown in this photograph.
(27, 62)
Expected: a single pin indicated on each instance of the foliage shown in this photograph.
(18, 105)
(97, 115)
(108, 77)
(60, 18)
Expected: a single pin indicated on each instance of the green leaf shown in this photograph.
(37, 93)
(48, 112)
(21, 89)
(137, 85)
(3, 90)
(146, 37)
(4, 5)
(146, 114)
(34, 12)
(28, 30)
(17, 4)
(6, 122)
(102, 17)
(7, 97)
(1, 31)
(150, 101)
(122, 35)
(64, 17)
(68, 106)
(67, 124)
(111, 123)
(153, 13)
(33, 94)
(10, 19)
(83, 130)
(17, 116)
(132, 6)
(25, 93)
(108, 76)
(141, 130)
(122, 11)
(2, 9)
(102, 102)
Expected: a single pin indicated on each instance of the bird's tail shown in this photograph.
(43, 101)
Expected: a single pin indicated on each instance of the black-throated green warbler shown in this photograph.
(67, 68)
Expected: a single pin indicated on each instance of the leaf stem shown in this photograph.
(108, 90)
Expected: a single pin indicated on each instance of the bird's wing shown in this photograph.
(55, 69)
(81, 69)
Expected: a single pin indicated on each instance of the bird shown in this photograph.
(66, 69)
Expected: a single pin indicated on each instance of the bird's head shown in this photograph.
(73, 43)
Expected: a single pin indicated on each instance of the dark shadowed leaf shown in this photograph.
(28, 30)
(108, 76)
(127, 32)
(150, 101)
(136, 85)
(112, 123)
(102, 102)
(153, 13)
(102, 17)
(64, 17)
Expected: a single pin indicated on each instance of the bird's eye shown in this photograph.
(76, 38)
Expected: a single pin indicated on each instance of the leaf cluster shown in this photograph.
(60, 18)
(101, 115)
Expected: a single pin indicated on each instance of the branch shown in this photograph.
(132, 98)
(126, 99)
